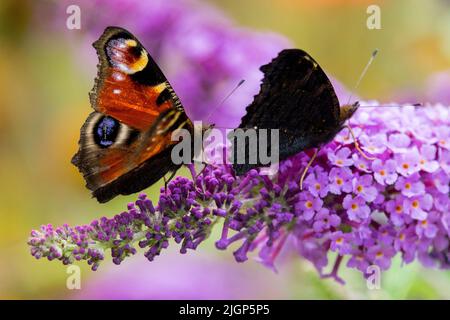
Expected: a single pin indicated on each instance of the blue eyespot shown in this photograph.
(106, 131)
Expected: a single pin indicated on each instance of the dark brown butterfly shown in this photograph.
(125, 144)
(297, 98)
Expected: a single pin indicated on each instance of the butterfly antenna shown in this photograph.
(393, 106)
(363, 73)
(225, 99)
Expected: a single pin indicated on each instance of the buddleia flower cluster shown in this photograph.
(366, 212)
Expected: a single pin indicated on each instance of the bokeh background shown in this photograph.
(47, 70)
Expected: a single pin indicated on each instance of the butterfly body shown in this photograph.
(125, 144)
(298, 99)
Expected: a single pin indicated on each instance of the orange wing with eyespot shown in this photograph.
(125, 144)
(130, 86)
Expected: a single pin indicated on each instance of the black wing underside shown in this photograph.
(297, 98)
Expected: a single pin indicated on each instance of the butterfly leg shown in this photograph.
(307, 167)
(166, 181)
(357, 147)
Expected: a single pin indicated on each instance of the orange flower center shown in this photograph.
(308, 204)
(424, 223)
(408, 185)
(382, 172)
(339, 240)
(339, 181)
(405, 166)
(399, 209)
(402, 236)
(379, 254)
(359, 188)
(340, 162)
(317, 185)
(354, 206)
(415, 204)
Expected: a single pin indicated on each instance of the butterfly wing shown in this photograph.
(297, 98)
(129, 85)
(125, 144)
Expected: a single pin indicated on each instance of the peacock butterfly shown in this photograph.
(125, 144)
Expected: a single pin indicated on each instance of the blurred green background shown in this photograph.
(43, 102)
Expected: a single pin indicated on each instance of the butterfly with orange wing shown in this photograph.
(125, 144)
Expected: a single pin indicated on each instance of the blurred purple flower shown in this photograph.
(191, 280)
(437, 87)
(435, 90)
